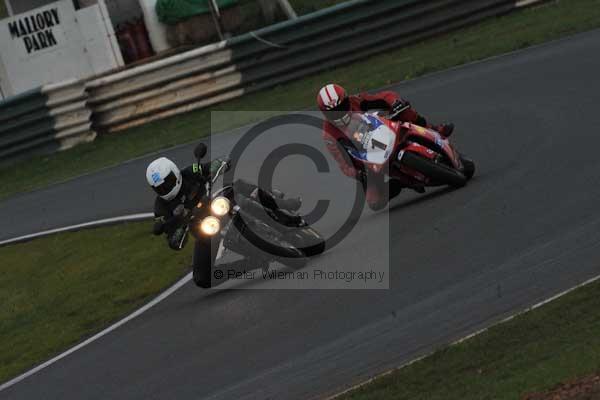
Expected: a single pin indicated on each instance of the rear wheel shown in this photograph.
(469, 167)
(436, 172)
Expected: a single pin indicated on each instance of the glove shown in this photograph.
(216, 164)
(178, 239)
(158, 228)
(227, 164)
(398, 108)
(180, 211)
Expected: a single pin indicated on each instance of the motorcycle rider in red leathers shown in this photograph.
(337, 107)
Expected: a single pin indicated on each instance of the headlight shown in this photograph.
(210, 226)
(220, 206)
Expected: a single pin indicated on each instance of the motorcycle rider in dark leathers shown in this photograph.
(178, 192)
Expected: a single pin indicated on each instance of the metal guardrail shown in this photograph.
(270, 56)
(43, 120)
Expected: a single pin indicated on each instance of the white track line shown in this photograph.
(469, 336)
(107, 221)
(188, 277)
(97, 336)
(161, 297)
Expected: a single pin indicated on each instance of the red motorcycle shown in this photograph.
(417, 156)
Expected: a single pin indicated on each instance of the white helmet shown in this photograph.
(164, 177)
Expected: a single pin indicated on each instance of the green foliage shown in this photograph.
(57, 290)
(530, 353)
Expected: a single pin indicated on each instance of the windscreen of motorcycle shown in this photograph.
(373, 139)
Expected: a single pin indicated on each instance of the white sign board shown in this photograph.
(48, 45)
(37, 32)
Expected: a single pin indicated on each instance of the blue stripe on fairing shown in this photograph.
(374, 121)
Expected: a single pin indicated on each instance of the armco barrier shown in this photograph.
(47, 119)
(350, 31)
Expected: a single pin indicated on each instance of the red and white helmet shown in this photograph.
(335, 104)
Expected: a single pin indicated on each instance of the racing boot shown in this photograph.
(290, 204)
(444, 129)
(283, 209)
(276, 200)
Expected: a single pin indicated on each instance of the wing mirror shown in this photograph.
(200, 151)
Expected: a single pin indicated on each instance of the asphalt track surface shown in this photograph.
(526, 228)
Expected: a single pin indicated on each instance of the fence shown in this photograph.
(55, 117)
(276, 54)
(46, 119)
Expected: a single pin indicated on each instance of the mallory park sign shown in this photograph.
(55, 43)
(46, 45)
(47, 29)
(36, 30)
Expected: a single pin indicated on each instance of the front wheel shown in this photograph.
(203, 259)
(437, 173)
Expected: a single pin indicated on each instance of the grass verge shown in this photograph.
(491, 37)
(533, 352)
(58, 290)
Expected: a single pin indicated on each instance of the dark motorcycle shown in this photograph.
(223, 221)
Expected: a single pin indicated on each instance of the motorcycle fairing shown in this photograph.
(417, 149)
(429, 137)
(374, 142)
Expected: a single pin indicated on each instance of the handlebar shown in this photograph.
(224, 165)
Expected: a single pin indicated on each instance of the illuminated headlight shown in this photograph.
(220, 206)
(210, 226)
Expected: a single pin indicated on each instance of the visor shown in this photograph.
(168, 184)
(340, 111)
